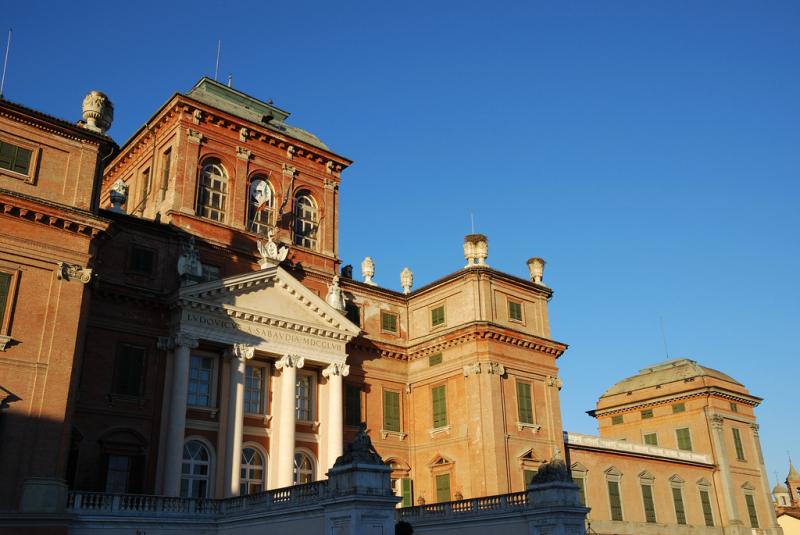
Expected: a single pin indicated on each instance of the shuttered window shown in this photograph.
(437, 316)
(737, 443)
(391, 410)
(514, 311)
(705, 502)
(439, 397)
(352, 405)
(678, 407)
(651, 439)
(15, 158)
(677, 500)
(433, 360)
(388, 322)
(751, 510)
(649, 505)
(5, 295)
(527, 476)
(443, 488)
(614, 501)
(647, 414)
(581, 483)
(616, 420)
(407, 489)
(684, 439)
(524, 404)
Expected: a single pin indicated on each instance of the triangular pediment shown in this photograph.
(270, 297)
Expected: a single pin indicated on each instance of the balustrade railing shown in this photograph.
(473, 506)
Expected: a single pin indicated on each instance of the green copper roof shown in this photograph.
(244, 106)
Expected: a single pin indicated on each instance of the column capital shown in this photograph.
(754, 429)
(336, 369)
(177, 339)
(290, 361)
(242, 351)
(716, 421)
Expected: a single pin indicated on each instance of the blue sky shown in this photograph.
(647, 150)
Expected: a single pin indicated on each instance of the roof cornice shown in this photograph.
(723, 393)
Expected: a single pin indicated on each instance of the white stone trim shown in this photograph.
(595, 442)
(524, 425)
(440, 430)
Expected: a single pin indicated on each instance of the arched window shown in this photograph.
(195, 470)
(253, 472)
(260, 205)
(213, 192)
(303, 468)
(305, 220)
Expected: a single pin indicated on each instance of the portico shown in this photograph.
(265, 316)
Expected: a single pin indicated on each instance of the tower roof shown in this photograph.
(780, 488)
(667, 372)
(793, 475)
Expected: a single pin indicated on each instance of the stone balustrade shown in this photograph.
(487, 505)
(595, 442)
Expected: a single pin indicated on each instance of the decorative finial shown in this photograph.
(536, 269)
(118, 195)
(189, 266)
(476, 250)
(270, 253)
(368, 271)
(98, 112)
(406, 280)
(347, 271)
(335, 297)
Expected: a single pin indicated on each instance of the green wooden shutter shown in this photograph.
(443, 488)
(677, 499)
(515, 311)
(649, 506)
(352, 407)
(389, 322)
(737, 442)
(5, 290)
(527, 475)
(651, 439)
(705, 501)
(437, 316)
(524, 404)
(391, 411)
(581, 483)
(684, 439)
(439, 395)
(614, 501)
(751, 510)
(407, 489)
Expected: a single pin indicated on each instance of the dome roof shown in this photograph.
(667, 372)
(780, 488)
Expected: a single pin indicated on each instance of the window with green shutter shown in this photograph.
(391, 411)
(352, 405)
(705, 502)
(388, 322)
(129, 371)
(527, 476)
(437, 316)
(514, 311)
(443, 488)
(751, 510)
(581, 483)
(614, 500)
(433, 360)
(649, 505)
(5, 296)
(737, 443)
(439, 397)
(734, 407)
(684, 439)
(14, 158)
(647, 414)
(407, 490)
(651, 439)
(616, 420)
(677, 500)
(678, 407)
(524, 403)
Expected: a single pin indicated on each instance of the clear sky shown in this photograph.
(647, 150)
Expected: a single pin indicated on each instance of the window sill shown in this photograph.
(4, 341)
(313, 424)
(439, 431)
(399, 435)
(264, 417)
(212, 411)
(524, 425)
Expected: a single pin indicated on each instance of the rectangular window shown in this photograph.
(527, 476)
(651, 439)
(737, 443)
(678, 407)
(166, 165)
(437, 316)
(14, 158)
(524, 403)
(581, 483)
(146, 183)
(677, 500)
(433, 360)
(200, 375)
(407, 489)
(443, 488)
(141, 260)
(751, 510)
(210, 273)
(514, 311)
(616, 420)
(439, 396)
(352, 405)
(388, 322)
(254, 390)
(303, 398)
(684, 439)
(129, 371)
(614, 501)
(6, 295)
(705, 502)
(647, 414)
(734, 407)
(391, 411)
(117, 474)
(649, 506)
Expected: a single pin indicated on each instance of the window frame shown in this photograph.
(33, 164)
(738, 445)
(676, 494)
(529, 386)
(130, 269)
(442, 387)
(705, 487)
(750, 505)
(315, 224)
(384, 427)
(224, 179)
(266, 376)
(441, 323)
(165, 167)
(580, 473)
(211, 464)
(349, 387)
(250, 213)
(312, 461)
(11, 300)
(397, 322)
(521, 318)
(312, 396)
(646, 414)
(678, 440)
(678, 408)
(649, 434)
(613, 476)
(212, 394)
(647, 481)
(617, 419)
(265, 467)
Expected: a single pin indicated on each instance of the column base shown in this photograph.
(43, 495)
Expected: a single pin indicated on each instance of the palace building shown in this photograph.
(176, 321)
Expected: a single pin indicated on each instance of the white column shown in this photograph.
(718, 442)
(173, 458)
(334, 374)
(233, 441)
(286, 419)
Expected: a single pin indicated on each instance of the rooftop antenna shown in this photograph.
(5, 63)
(472, 222)
(230, 80)
(216, 65)
(664, 336)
